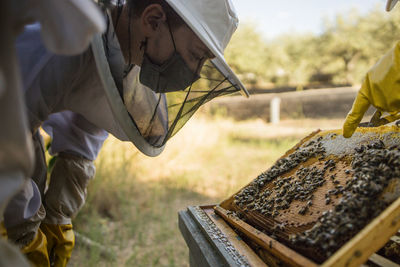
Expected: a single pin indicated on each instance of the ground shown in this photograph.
(133, 202)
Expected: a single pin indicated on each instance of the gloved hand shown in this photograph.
(381, 88)
(3, 231)
(36, 250)
(60, 243)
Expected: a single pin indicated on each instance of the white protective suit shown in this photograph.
(52, 84)
(77, 143)
(68, 28)
(60, 19)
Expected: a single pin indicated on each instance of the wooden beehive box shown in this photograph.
(284, 209)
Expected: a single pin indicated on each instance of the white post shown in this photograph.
(275, 107)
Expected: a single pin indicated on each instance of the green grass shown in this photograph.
(133, 202)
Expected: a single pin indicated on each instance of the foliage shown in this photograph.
(347, 47)
(244, 53)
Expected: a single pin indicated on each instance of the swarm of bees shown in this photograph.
(357, 201)
(373, 167)
(253, 197)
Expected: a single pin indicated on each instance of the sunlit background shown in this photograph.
(274, 18)
(310, 55)
(310, 43)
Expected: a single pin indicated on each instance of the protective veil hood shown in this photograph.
(123, 118)
(149, 119)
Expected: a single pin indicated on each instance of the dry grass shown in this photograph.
(133, 201)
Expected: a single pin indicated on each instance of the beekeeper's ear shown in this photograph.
(151, 19)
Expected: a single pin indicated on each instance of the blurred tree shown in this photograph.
(344, 41)
(359, 41)
(348, 46)
(245, 53)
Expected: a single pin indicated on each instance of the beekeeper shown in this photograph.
(84, 19)
(157, 63)
(380, 88)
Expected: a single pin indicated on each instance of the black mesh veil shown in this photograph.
(162, 115)
(182, 105)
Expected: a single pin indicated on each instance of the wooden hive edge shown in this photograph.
(277, 249)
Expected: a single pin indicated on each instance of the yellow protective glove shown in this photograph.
(60, 242)
(381, 88)
(36, 251)
(3, 230)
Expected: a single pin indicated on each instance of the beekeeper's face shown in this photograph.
(153, 34)
(160, 45)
